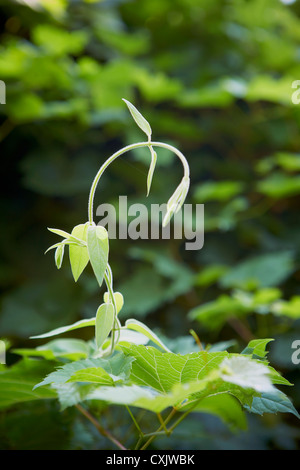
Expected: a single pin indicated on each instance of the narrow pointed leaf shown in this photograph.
(64, 242)
(168, 215)
(64, 329)
(177, 199)
(67, 235)
(104, 323)
(151, 169)
(59, 232)
(59, 254)
(136, 325)
(97, 245)
(79, 256)
(139, 119)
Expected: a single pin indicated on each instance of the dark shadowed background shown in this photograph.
(214, 78)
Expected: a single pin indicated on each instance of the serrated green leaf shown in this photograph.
(139, 119)
(117, 366)
(71, 393)
(79, 256)
(257, 347)
(273, 402)
(92, 375)
(161, 371)
(104, 322)
(97, 245)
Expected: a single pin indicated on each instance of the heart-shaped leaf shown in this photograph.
(97, 245)
(79, 256)
(104, 323)
(119, 300)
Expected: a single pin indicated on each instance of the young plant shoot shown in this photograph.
(128, 364)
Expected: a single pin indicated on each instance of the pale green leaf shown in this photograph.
(151, 169)
(59, 254)
(93, 375)
(138, 326)
(246, 373)
(119, 300)
(139, 119)
(79, 256)
(118, 367)
(147, 398)
(64, 234)
(97, 245)
(177, 199)
(64, 242)
(104, 323)
(64, 329)
(68, 348)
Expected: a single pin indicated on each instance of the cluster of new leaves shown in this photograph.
(93, 246)
(88, 242)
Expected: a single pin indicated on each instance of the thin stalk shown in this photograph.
(197, 339)
(158, 432)
(99, 428)
(134, 421)
(121, 152)
(184, 415)
(171, 429)
(160, 419)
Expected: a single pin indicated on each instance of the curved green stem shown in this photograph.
(121, 152)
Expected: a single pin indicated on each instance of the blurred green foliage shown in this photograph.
(214, 77)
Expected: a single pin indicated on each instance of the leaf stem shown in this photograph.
(197, 339)
(135, 421)
(162, 426)
(98, 426)
(160, 419)
(121, 152)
